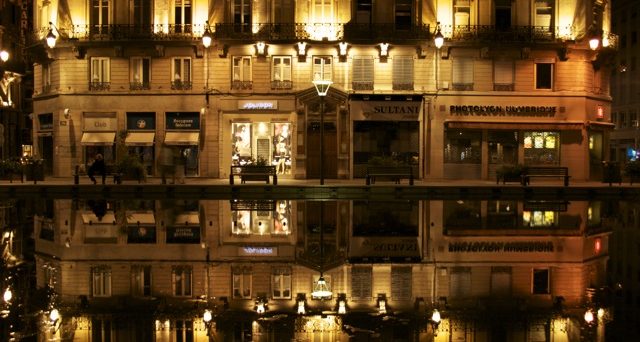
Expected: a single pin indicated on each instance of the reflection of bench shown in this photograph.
(395, 173)
(545, 171)
(110, 172)
(254, 173)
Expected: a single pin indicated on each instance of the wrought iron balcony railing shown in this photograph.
(354, 32)
(99, 86)
(242, 85)
(512, 34)
(462, 86)
(362, 85)
(279, 85)
(503, 87)
(402, 85)
(180, 85)
(139, 86)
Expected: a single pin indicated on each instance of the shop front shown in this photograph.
(183, 136)
(258, 132)
(140, 140)
(387, 129)
(98, 136)
(45, 141)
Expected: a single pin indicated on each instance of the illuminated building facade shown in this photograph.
(514, 82)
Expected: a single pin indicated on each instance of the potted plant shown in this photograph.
(33, 167)
(130, 167)
(9, 168)
(509, 173)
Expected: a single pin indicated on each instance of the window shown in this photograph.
(540, 281)
(242, 282)
(462, 215)
(99, 16)
(501, 281)
(462, 74)
(544, 75)
(181, 71)
(141, 281)
(181, 281)
(544, 15)
(541, 148)
(403, 14)
(539, 218)
(100, 73)
(361, 281)
(184, 331)
(460, 282)
(402, 73)
(141, 15)
(281, 72)
(502, 214)
(281, 283)
(182, 16)
(363, 11)
(140, 71)
(461, 13)
(503, 75)
(327, 279)
(241, 73)
(362, 73)
(401, 282)
(503, 14)
(462, 146)
(322, 68)
(323, 11)
(101, 330)
(101, 281)
(242, 15)
(46, 78)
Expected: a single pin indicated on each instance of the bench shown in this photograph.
(110, 172)
(253, 173)
(545, 171)
(395, 173)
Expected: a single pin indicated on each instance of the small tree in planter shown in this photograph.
(509, 173)
(10, 168)
(33, 167)
(129, 166)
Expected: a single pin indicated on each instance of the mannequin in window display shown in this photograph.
(281, 147)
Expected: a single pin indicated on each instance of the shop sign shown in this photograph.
(100, 124)
(474, 110)
(258, 105)
(45, 121)
(387, 247)
(179, 120)
(183, 235)
(257, 251)
(141, 121)
(141, 234)
(411, 108)
(498, 247)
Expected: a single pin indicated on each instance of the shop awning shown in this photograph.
(98, 138)
(140, 139)
(601, 125)
(534, 125)
(187, 219)
(182, 138)
(92, 219)
(142, 218)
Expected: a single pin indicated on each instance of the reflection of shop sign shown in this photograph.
(406, 245)
(257, 105)
(258, 251)
(503, 110)
(484, 247)
(100, 124)
(403, 108)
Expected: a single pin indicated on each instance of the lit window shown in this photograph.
(281, 72)
(182, 16)
(141, 281)
(100, 73)
(241, 72)
(100, 16)
(140, 71)
(544, 15)
(242, 282)
(461, 13)
(182, 281)
(281, 283)
(322, 69)
(242, 15)
(181, 73)
(539, 218)
(101, 281)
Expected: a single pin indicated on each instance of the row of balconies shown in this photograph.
(292, 32)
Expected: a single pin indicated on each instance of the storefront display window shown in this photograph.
(539, 218)
(462, 146)
(259, 222)
(542, 148)
(393, 141)
(503, 147)
(270, 142)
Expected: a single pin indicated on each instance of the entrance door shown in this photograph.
(45, 146)
(330, 150)
(596, 155)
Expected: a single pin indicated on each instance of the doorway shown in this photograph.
(330, 150)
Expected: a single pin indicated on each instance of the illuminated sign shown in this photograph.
(100, 124)
(257, 251)
(490, 247)
(257, 105)
(473, 110)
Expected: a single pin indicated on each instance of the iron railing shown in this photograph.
(242, 85)
(181, 85)
(354, 32)
(99, 86)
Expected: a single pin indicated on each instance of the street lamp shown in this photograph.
(4, 55)
(206, 36)
(207, 317)
(435, 321)
(322, 87)
(51, 38)
(438, 39)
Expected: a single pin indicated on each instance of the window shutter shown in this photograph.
(463, 71)
(361, 282)
(363, 69)
(503, 72)
(401, 283)
(403, 70)
(500, 281)
(460, 285)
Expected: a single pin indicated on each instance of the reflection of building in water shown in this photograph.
(494, 270)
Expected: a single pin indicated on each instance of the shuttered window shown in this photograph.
(361, 282)
(501, 281)
(401, 283)
(362, 73)
(460, 282)
(402, 73)
(463, 74)
(503, 75)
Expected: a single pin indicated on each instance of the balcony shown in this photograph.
(99, 86)
(356, 32)
(513, 34)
